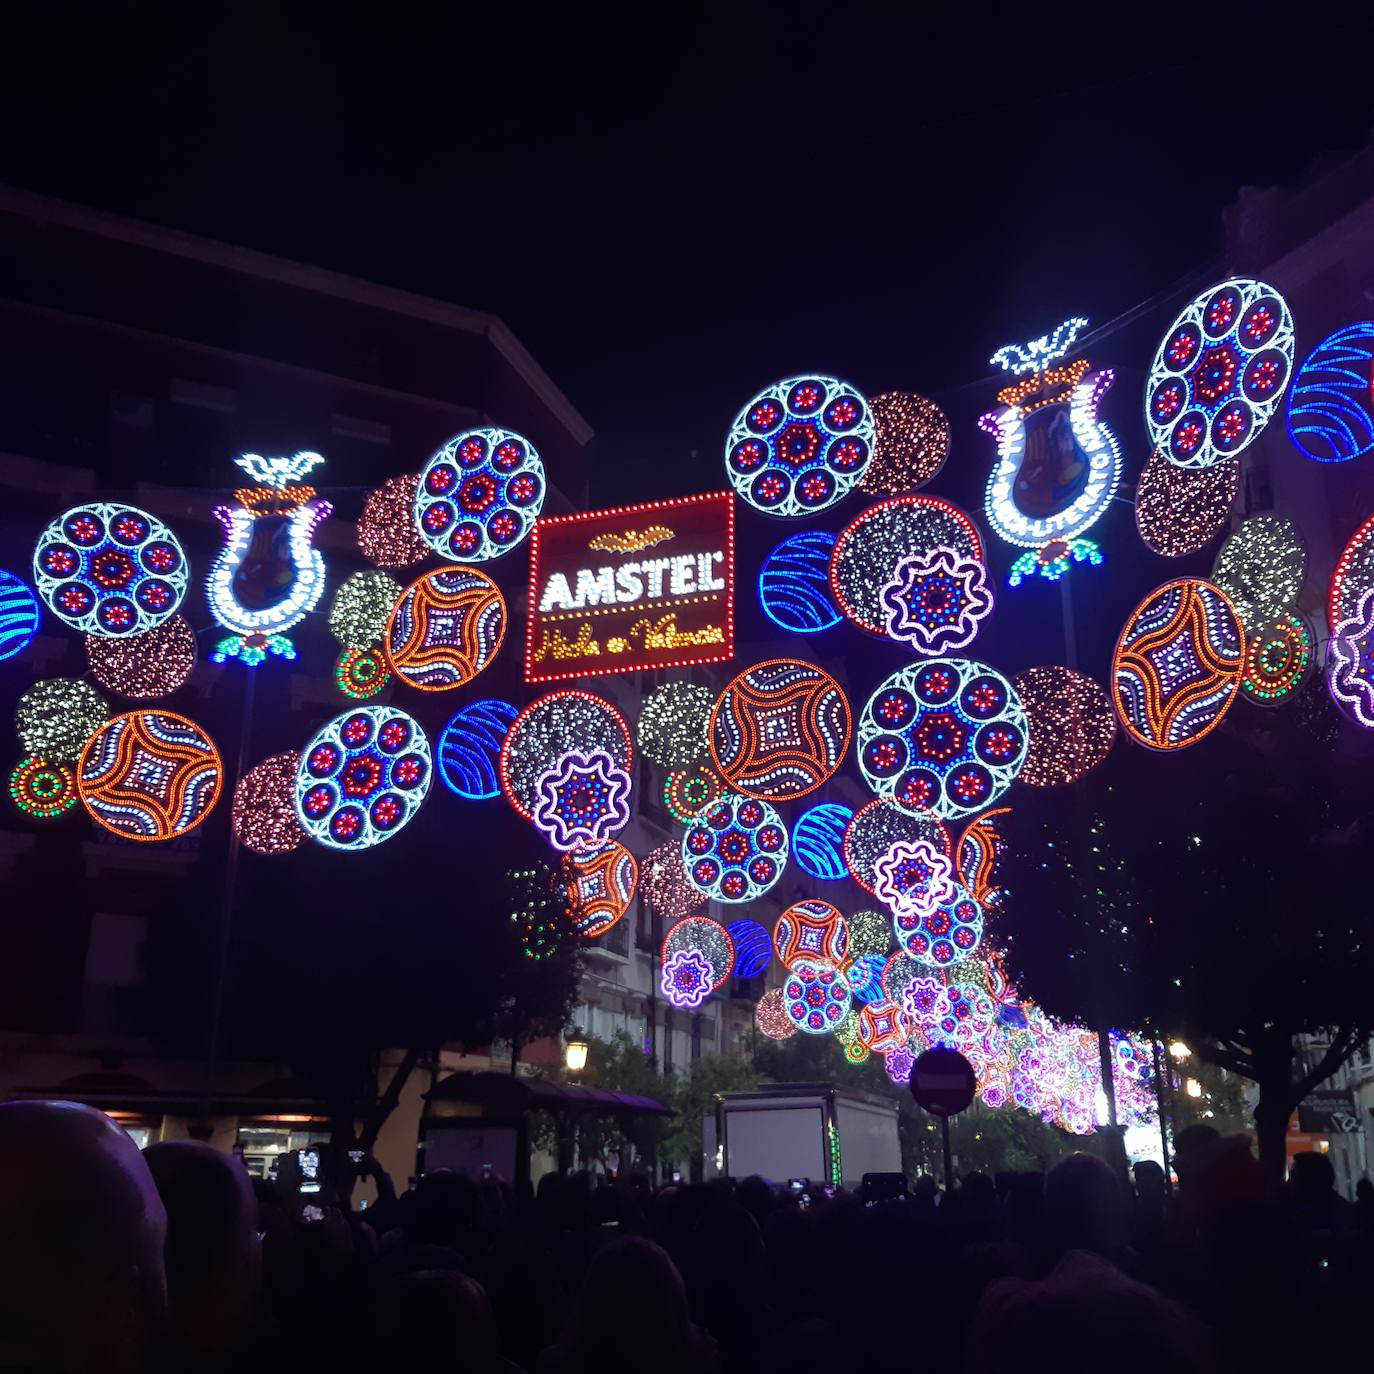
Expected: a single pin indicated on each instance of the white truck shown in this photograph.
(805, 1130)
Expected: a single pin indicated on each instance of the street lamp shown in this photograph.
(575, 1052)
(1179, 1050)
(1193, 1088)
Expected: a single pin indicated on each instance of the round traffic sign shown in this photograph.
(943, 1081)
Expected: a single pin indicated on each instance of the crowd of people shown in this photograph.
(172, 1258)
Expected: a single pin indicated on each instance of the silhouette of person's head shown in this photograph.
(1149, 1180)
(434, 1319)
(82, 1286)
(1084, 1206)
(1312, 1177)
(1364, 1192)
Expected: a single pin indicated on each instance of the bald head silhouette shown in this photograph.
(81, 1270)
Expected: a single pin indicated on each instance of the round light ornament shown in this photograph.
(445, 629)
(735, 850)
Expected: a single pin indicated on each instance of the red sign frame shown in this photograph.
(656, 591)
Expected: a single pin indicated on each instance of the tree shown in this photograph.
(1217, 894)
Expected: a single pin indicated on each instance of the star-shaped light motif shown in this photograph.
(913, 878)
(936, 600)
(899, 1063)
(1351, 672)
(583, 800)
(685, 978)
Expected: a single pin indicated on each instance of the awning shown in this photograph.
(512, 1095)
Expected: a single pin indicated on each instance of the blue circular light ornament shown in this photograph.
(735, 850)
(818, 841)
(479, 495)
(865, 976)
(794, 584)
(469, 752)
(816, 996)
(799, 446)
(945, 935)
(753, 948)
(20, 615)
(1331, 403)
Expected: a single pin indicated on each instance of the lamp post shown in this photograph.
(575, 1052)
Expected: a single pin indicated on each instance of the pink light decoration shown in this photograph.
(583, 800)
(913, 878)
(685, 978)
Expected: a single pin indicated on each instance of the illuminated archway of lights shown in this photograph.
(1330, 409)
(1178, 510)
(1072, 725)
(910, 443)
(1220, 371)
(1260, 568)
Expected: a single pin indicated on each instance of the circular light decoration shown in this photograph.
(664, 882)
(864, 973)
(479, 495)
(1072, 725)
(1260, 568)
(875, 829)
(977, 851)
(818, 841)
(870, 549)
(687, 792)
(910, 443)
(899, 1063)
(56, 717)
(936, 601)
(780, 729)
(469, 752)
(1330, 406)
(944, 935)
(709, 938)
(735, 850)
(362, 777)
(948, 737)
(535, 914)
(913, 879)
(883, 1026)
(264, 814)
(1350, 663)
(794, 584)
(799, 446)
(149, 775)
(386, 529)
(912, 987)
(152, 664)
(685, 978)
(361, 608)
(1178, 510)
(815, 996)
(361, 673)
(552, 726)
(811, 930)
(584, 799)
(601, 881)
(753, 948)
(445, 629)
(1277, 657)
(19, 615)
(962, 1016)
(1177, 665)
(770, 1016)
(41, 789)
(870, 932)
(1220, 371)
(1353, 576)
(673, 722)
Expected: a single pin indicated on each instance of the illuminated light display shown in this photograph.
(816, 996)
(1178, 510)
(361, 608)
(883, 1026)
(735, 850)
(812, 930)
(267, 578)
(469, 750)
(1330, 405)
(1177, 665)
(1353, 576)
(770, 1016)
(847, 1032)
(947, 737)
(1058, 464)
(936, 601)
(794, 584)
(962, 1017)
(1220, 371)
(673, 724)
(876, 828)
(361, 673)
(20, 616)
(56, 717)
(753, 948)
(362, 777)
(1053, 560)
(687, 792)
(632, 589)
(939, 938)
(707, 937)
(870, 548)
(1277, 658)
(445, 629)
(479, 495)
(264, 813)
(535, 913)
(584, 799)
(149, 775)
(1072, 725)
(110, 570)
(914, 879)
(910, 443)
(856, 1052)
(920, 998)
(664, 882)
(899, 1063)
(386, 529)
(1350, 663)
(1260, 568)
(870, 932)
(976, 854)
(799, 446)
(552, 726)
(152, 664)
(899, 973)
(864, 974)
(779, 730)
(818, 841)
(41, 789)
(685, 978)
(600, 885)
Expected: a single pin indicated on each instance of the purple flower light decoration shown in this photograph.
(583, 800)
(913, 878)
(685, 978)
(920, 1000)
(898, 1063)
(936, 600)
(1350, 671)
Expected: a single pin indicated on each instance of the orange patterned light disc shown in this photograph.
(445, 628)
